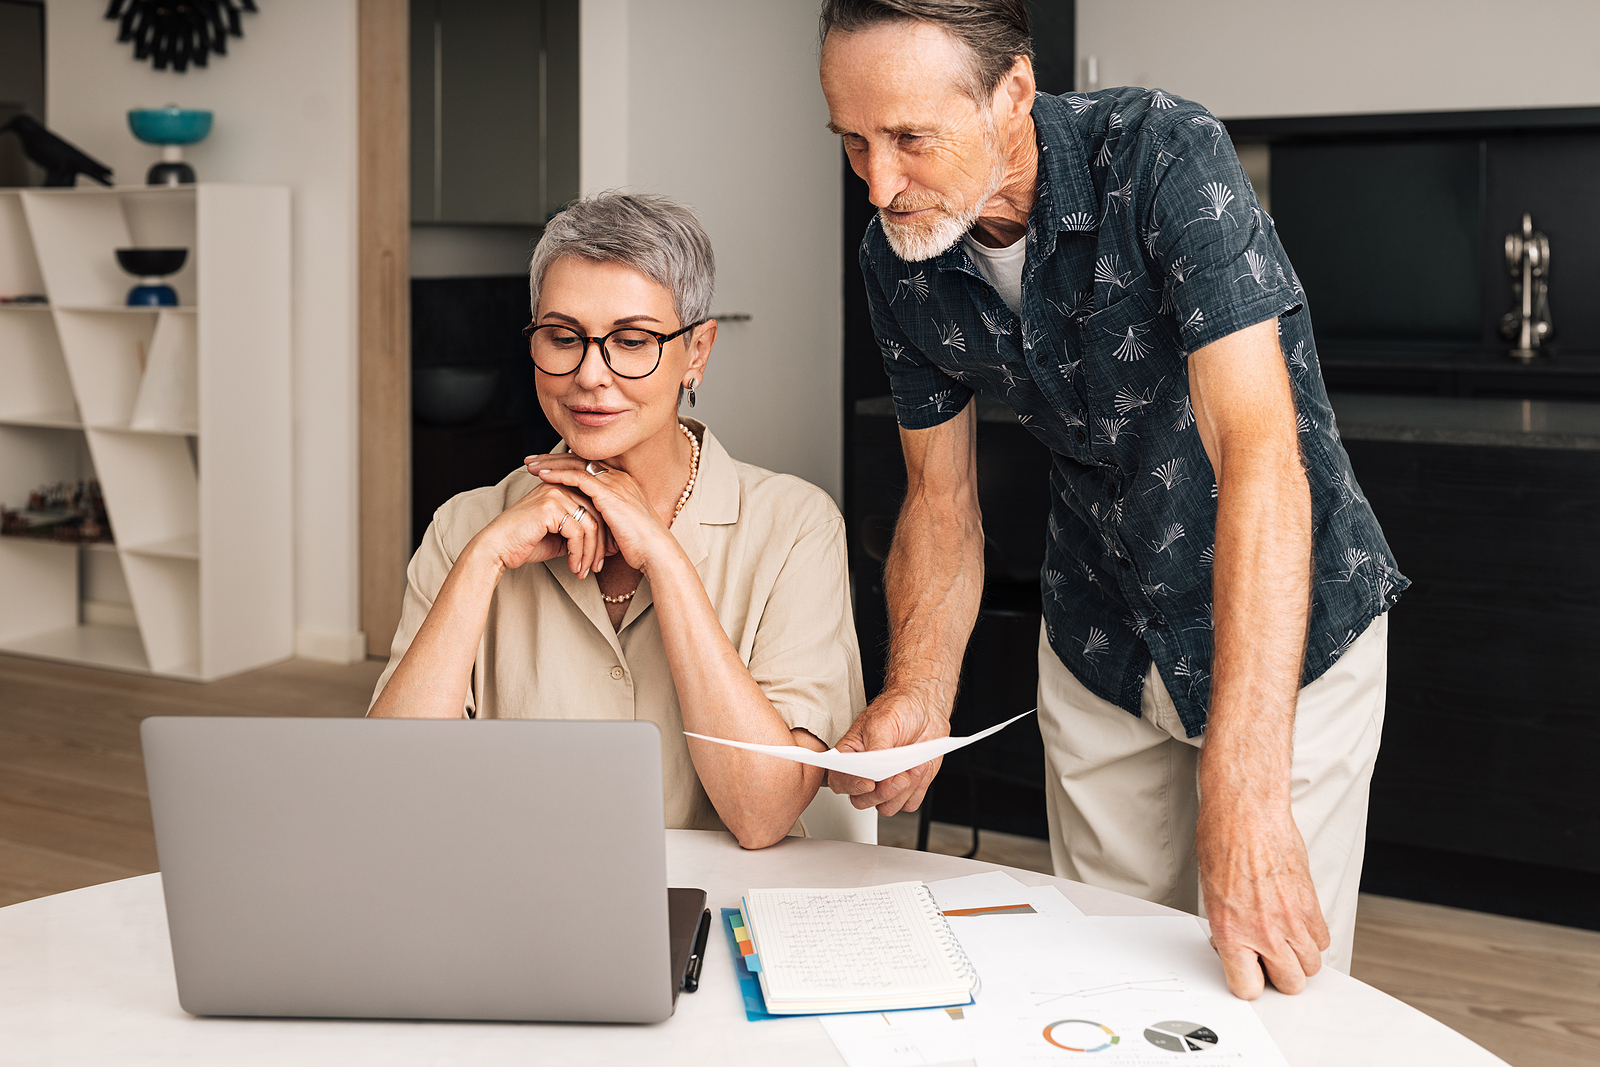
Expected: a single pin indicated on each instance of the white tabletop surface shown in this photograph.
(86, 978)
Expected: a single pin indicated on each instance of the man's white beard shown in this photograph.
(924, 240)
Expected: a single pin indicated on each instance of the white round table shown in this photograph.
(86, 978)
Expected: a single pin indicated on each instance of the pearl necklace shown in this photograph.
(683, 498)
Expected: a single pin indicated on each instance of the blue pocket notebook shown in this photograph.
(755, 1006)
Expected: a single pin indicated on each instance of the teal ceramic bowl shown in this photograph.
(169, 125)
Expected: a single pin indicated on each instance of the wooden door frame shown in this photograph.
(384, 196)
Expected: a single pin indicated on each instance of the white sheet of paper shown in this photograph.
(987, 890)
(997, 888)
(902, 1038)
(1135, 990)
(877, 765)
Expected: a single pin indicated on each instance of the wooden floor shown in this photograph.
(74, 812)
(73, 806)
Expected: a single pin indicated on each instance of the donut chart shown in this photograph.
(1179, 1036)
(1080, 1035)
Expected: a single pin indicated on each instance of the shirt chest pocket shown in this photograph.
(1130, 372)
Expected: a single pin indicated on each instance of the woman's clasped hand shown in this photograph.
(552, 520)
(621, 517)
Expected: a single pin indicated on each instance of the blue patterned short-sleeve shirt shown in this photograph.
(1145, 243)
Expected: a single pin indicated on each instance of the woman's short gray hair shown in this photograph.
(655, 235)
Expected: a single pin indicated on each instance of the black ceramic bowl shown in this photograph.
(152, 262)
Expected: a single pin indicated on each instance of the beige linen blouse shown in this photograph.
(770, 549)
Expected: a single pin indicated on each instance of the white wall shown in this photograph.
(285, 104)
(1244, 58)
(724, 113)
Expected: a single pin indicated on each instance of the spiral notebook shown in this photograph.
(876, 948)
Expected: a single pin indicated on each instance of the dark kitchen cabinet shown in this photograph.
(1485, 794)
(494, 110)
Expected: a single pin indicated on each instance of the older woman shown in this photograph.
(639, 571)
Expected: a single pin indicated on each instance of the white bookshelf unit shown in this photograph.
(182, 413)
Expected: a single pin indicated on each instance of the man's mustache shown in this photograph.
(902, 204)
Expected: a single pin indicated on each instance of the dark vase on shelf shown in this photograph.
(150, 265)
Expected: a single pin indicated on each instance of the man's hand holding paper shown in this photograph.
(891, 721)
(877, 765)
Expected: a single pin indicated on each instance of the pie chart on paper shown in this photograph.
(1179, 1036)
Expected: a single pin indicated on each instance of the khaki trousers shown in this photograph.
(1123, 795)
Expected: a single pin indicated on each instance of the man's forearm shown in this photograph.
(933, 582)
(1262, 590)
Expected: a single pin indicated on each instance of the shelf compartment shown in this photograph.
(19, 267)
(105, 355)
(33, 372)
(76, 240)
(103, 588)
(31, 456)
(149, 484)
(166, 221)
(166, 601)
(41, 583)
(169, 391)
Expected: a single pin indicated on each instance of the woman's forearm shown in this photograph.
(432, 678)
(758, 797)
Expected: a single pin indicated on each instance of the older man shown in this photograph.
(1213, 649)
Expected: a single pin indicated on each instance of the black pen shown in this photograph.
(691, 977)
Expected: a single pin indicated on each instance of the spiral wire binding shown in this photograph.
(947, 937)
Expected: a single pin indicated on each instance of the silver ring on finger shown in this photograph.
(596, 469)
(564, 520)
(579, 513)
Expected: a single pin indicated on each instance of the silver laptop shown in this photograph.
(409, 869)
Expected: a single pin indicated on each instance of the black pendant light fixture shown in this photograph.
(177, 33)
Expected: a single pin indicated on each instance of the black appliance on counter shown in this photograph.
(475, 413)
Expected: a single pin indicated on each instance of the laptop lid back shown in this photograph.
(503, 869)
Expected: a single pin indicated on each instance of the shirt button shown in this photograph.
(1111, 492)
(1082, 436)
(1125, 565)
(1040, 359)
(616, 674)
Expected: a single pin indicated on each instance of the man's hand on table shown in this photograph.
(889, 722)
(1256, 884)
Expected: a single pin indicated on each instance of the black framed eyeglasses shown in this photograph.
(630, 352)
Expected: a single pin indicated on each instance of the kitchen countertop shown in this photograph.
(1560, 424)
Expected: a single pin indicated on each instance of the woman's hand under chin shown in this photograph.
(544, 524)
(633, 527)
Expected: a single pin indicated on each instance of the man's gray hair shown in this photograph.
(995, 31)
(655, 235)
